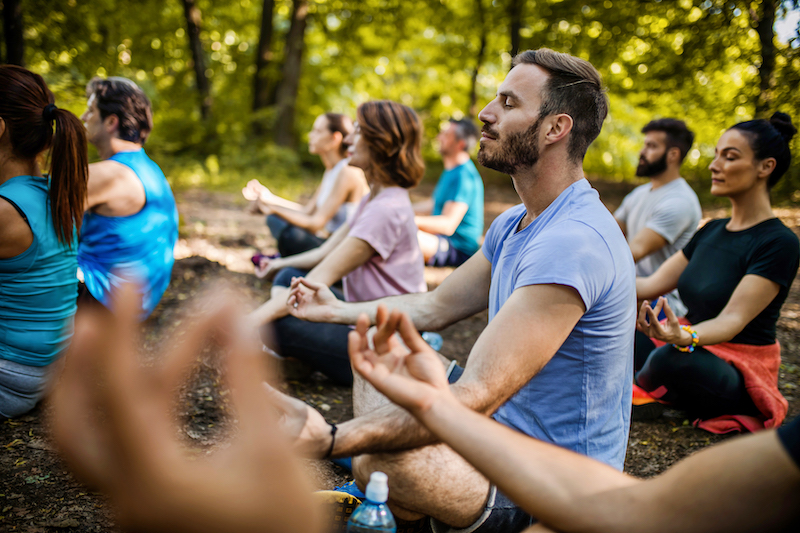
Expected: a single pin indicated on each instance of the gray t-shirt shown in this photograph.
(673, 212)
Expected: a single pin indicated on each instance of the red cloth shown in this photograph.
(759, 366)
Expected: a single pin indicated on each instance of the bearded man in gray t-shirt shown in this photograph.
(660, 217)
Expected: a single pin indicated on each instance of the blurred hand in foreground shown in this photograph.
(113, 425)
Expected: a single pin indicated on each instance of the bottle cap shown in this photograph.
(378, 488)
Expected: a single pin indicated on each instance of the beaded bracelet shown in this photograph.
(695, 341)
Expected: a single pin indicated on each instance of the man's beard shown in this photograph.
(515, 151)
(646, 169)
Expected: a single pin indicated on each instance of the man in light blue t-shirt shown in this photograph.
(451, 222)
(556, 358)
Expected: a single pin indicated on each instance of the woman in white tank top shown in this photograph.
(298, 228)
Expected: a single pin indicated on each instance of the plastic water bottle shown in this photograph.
(433, 339)
(373, 514)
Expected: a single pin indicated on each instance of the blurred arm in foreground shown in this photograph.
(131, 451)
(746, 484)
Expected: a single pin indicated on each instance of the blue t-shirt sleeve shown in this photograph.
(552, 259)
(498, 229)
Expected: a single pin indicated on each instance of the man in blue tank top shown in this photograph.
(131, 222)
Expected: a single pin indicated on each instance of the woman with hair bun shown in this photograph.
(375, 253)
(40, 216)
(721, 362)
(298, 228)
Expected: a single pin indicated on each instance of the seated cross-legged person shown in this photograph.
(375, 253)
(723, 359)
(131, 222)
(451, 222)
(298, 228)
(39, 218)
(660, 217)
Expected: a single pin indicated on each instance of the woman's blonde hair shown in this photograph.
(393, 135)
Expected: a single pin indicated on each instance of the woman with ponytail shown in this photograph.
(40, 215)
(721, 362)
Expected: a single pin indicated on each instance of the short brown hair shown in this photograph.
(393, 135)
(575, 88)
(124, 99)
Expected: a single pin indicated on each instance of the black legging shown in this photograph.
(291, 239)
(699, 382)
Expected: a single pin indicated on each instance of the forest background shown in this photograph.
(236, 84)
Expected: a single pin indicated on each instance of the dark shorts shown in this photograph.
(447, 255)
(500, 514)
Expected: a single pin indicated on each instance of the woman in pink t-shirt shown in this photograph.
(375, 253)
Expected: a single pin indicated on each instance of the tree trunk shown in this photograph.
(515, 14)
(193, 21)
(287, 91)
(263, 58)
(473, 91)
(12, 28)
(766, 34)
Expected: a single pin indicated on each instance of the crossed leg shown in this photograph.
(429, 481)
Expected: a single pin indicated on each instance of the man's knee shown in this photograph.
(428, 481)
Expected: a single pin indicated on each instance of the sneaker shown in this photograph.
(344, 462)
(340, 506)
(352, 489)
(645, 407)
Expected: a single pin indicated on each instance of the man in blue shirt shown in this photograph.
(451, 222)
(557, 276)
(131, 222)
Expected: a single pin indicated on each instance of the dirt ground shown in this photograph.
(218, 237)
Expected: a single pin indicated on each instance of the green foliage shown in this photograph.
(691, 59)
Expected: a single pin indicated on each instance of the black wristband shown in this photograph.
(334, 429)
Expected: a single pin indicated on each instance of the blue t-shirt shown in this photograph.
(462, 184)
(581, 399)
(138, 247)
(38, 288)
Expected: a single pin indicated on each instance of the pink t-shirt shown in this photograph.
(386, 223)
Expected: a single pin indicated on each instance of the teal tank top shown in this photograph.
(38, 288)
(137, 248)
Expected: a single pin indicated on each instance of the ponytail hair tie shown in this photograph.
(49, 112)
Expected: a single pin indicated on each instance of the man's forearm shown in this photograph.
(388, 429)
(421, 307)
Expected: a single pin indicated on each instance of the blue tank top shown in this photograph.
(139, 247)
(38, 287)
